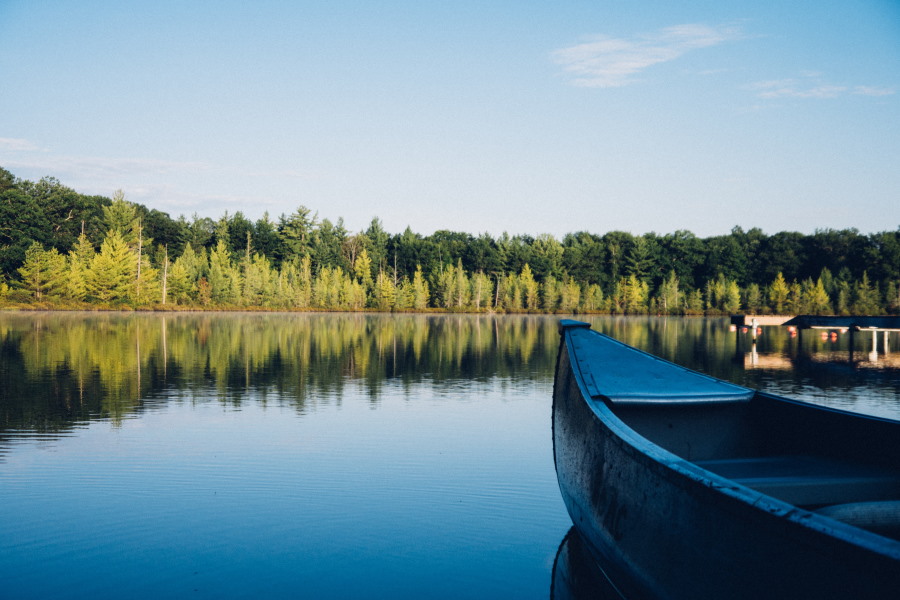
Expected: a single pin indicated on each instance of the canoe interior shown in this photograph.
(808, 456)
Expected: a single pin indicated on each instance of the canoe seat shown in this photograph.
(882, 518)
(810, 480)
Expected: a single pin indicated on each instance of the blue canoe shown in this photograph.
(685, 486)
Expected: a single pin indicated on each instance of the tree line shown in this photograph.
(60, 248)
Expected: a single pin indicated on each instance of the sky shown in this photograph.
(483, 117)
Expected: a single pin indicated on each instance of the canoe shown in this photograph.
(685, 486)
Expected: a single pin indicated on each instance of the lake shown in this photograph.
(238, 455)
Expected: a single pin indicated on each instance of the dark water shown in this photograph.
(323, 456)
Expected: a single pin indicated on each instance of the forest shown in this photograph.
(60, 249)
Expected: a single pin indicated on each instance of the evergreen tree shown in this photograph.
(867, 299)
(44, 271)
(530, 288)
(181, 289)
(635, 295)
(405, 295)
(778, 294)
(694, 304)
(462, 287)
(844, 297)
(569, 295)
(121, 217)
(593, 298)
(386, 292)
(419, 289)
(509, 292)
(638, 260)
(146, 287)
(795, 298)
(258, 281)
(550, 294)
(731, 303)
(112, 271)
(754, 299)
(482, 290)
(669, 295)
(296, 233)
(815, 298)
(892, 297)
(362, 268)
(79, 263)
(303, 285)
(223, 278)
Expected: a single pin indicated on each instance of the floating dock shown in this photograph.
(836, 324)
(858, 323)
(850, 323)
(760, 320)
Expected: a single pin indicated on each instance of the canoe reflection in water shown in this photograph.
(576, 574)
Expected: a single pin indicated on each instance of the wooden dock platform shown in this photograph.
(760, 320)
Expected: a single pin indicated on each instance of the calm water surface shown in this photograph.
(334, 456)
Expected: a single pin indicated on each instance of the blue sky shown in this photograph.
(524, 117)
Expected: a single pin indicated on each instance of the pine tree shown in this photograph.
(529, 287)
(146, 287)
(420, 289)
(669, 295)
(509, 292)
(754, 299)
(731, 302)
(385, 291)
(362, 269)
(694, 304)
(636, 294)
(892, 297)
(44, 271)
(304, 283)
(593, 298)
(482, 290)
(76, 279)
(462, 287)
(867, 298)
(181, 289)
(550, 294)
(795, 298)
(121, 217)
(112, 271)
(223, 277)
(778, 294)
(570, 295)
(815, 299)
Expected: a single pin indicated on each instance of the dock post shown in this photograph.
(753, 328)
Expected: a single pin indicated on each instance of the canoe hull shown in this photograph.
(662, 528)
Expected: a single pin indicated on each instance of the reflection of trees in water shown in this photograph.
(57, 369)
(60, 368)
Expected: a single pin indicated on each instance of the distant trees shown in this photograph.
(67, 249)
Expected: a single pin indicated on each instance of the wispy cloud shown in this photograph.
(168, 185)
(609, 62)
(17, 145)
(868, 90)
(96, 167)
(811, 85)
